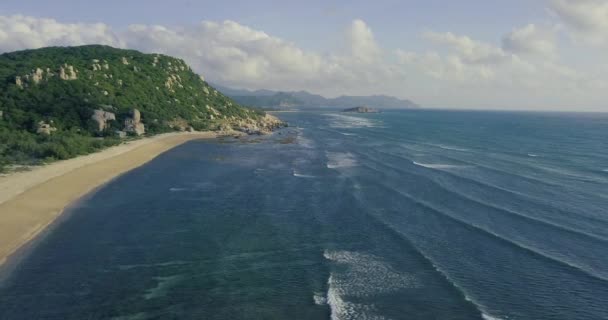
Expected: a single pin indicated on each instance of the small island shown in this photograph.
(361, 110)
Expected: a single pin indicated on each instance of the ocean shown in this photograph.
(399, 215)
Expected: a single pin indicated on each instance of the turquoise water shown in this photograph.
(399, 215)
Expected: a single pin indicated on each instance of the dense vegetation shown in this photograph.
(62, 86)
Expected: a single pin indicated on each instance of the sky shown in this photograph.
(473, 54)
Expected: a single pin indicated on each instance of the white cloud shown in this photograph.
(531, 39)
(450, 68)
(470, 50)
(363, 44)
(21, 32)
(237, 55)
(465, 72)
(517, 74)
(587, 19)
(228, 51)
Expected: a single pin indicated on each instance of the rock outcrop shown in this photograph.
(67, 72)
(37, 75)
(101, 118)
(361, 110)
(45, 128)
(19, 82)
(134, 124)
(172, 81)
(264, 125)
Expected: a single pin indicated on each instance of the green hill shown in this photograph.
(48, 98)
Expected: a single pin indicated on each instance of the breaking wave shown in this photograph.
(300, 175)
(365, 276)
(447, 147)
(345, 122)
(319, 299)
(438, 165)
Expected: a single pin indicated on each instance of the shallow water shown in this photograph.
(399, 215)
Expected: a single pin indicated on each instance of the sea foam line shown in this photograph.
(573, 266)
(498, 237)
(365, 275)
(528, 165)
(446, 147)
(478, 306)
(301, 175)
(505, 210)
(527, 197)
(346, 122)
(438, 165)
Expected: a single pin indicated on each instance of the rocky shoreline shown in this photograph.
(266, 125)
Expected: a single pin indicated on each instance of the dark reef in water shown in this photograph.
(361, 110)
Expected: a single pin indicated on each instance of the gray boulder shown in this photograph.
(101, 118)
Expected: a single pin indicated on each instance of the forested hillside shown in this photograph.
(60, 102)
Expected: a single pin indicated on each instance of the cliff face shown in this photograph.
(98, 89)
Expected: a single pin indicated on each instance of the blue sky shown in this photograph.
(515, 54)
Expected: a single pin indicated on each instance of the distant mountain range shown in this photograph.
(303, 99)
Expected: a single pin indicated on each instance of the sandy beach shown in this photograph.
(30, 201)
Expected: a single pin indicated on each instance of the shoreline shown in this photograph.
(32, 201)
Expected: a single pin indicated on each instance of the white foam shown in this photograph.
(605, 170)
(344, 310)
(162, 287)
(365, 275)
(437, 165)
(340, 160)
(300, 175)
(345, 122)
(177, 189)
(347, 134)
(489, 317)
(532, 155)
(447, 147)
(572, 174)
(368, 274)
(319, 299)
